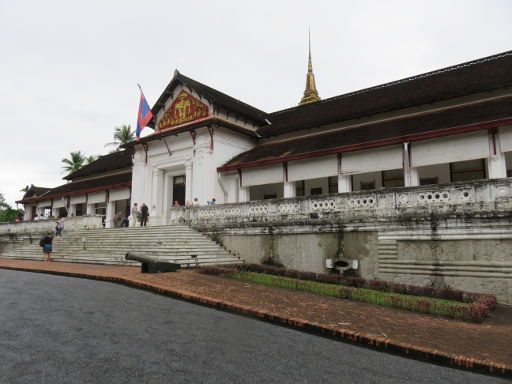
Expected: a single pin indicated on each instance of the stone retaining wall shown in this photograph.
(457, 235)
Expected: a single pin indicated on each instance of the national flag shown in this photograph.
(144, 116)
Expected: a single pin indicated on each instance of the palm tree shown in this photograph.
(122, 135)
(74, 163)
(90, 159)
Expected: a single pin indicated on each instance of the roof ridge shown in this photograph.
(186, 78)
(400, 81)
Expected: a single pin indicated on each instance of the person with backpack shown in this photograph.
(46, 243)
(144, 213)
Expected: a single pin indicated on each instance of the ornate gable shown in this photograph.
(184, 109)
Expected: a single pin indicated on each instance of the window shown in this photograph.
(316, 191)
(393, 178)
(366, 186)
(179, 180)
(467, 170)
(333, 184)
(79, 210)
(429, 180)
(299, 188)
(270, 196)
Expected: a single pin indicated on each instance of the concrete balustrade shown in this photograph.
(480, 196)
(45, 225)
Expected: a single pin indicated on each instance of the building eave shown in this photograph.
(372, 144)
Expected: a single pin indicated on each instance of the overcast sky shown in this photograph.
(69, 69)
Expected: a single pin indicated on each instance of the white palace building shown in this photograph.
(448, 125)
(409, 178)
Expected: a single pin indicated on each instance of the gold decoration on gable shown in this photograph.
(184, 109)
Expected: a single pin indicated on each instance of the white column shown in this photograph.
(27, 211)
(109, 220)
(167, 198)
(155, 217)
(55, 212)
(496, 165)
(232, 184)
(90, 209)
(289, 189)
(188, 182)
(244, 194)
(414, 177)
(411, 176)
(72, 210)
(344, 183)
(204, 183)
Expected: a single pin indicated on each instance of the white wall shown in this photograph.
(204, 162)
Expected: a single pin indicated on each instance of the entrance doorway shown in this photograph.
(178, 189)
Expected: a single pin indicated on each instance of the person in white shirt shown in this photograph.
(135, 215)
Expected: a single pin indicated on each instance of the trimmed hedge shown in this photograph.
(455, 303)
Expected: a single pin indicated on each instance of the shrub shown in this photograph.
(467, 305)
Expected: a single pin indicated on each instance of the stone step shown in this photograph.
(109, 246)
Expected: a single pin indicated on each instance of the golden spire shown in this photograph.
(310, 93)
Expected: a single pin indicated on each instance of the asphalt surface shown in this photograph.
(57, 329)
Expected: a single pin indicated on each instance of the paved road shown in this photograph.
(62, 330)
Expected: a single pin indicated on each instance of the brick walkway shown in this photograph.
(485, 346)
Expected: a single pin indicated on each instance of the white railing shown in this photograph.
(483, 195)
(45, 225)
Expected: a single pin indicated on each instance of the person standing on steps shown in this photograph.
(46, 243)
(135, 215)
(118, 217)
(144, 213)
(59, 228)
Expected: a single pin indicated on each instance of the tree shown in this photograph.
(74, 163)
(90, 159)
(7, 213)
(122, 135)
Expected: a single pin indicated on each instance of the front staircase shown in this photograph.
(175, 243)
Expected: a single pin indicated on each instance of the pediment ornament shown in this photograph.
(184, 109)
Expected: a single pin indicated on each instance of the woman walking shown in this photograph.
(46, 243)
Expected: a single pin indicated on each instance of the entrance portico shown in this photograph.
(197, 129)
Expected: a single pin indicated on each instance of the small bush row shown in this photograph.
(471, 306)
(378, 285)
(428, 305)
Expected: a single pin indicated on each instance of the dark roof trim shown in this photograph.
(221, 99)
(89, 190)
(372, 144)
(109, 162)
(33, 193)
(78, 192)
